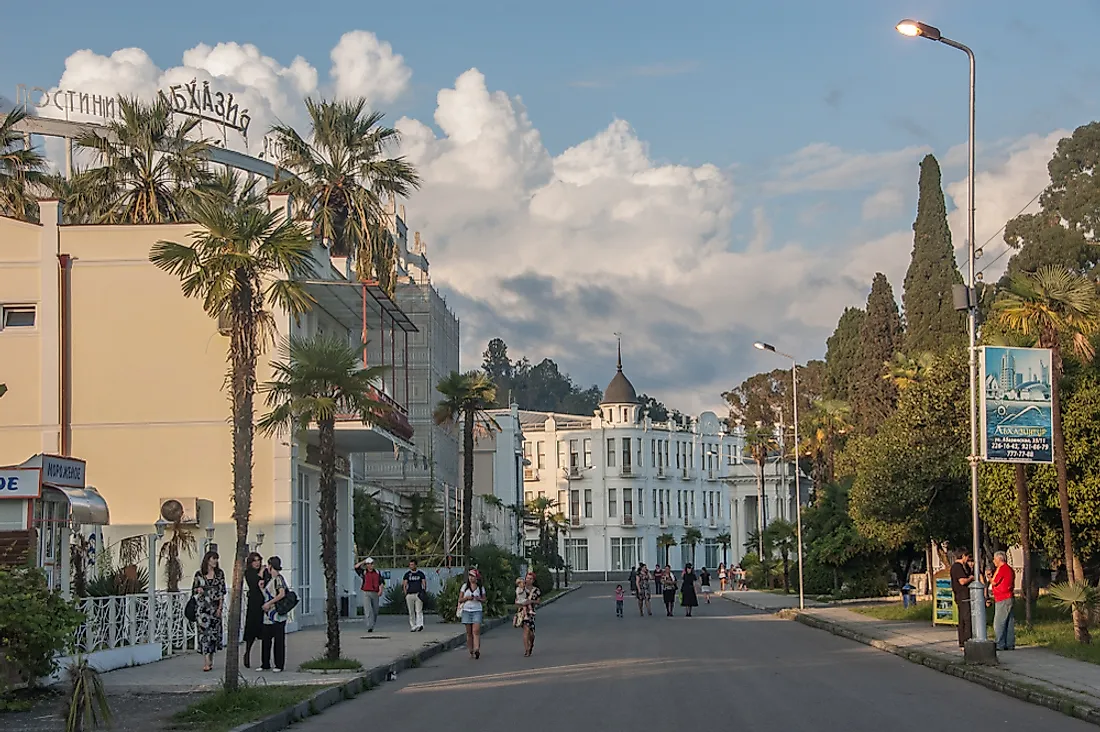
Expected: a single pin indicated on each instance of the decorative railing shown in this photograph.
(116, 621)
(396, 419)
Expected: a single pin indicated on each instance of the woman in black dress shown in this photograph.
(254, 580)
(687, 589)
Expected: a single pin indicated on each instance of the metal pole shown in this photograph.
(152, 551)
(798, 491)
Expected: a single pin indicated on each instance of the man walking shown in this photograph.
(1003, 585)
(962, 574)
(372, 590)
(415, 582)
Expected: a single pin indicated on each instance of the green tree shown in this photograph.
(344, 176)
(724, 541)
(931, 321)
(692, 537)
(872, 397)
(760, 441)
(465, 398)
(243, 263)
(823, 429)
(316, 381)
(148, 164)
(666, 541)
(1054, 305)
(182, 542)
(782, 536)
(22, 170)
(497, 364)
(842, 354)
(370, 527)
(832, 542)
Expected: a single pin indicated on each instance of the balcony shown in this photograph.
(664, 522)
(627, 471)
(662, 472)
(687, 522)
(627, 521)
(530, 473)
(686, 474)
(712, 474)
(575, 521)
(712, 523)
(573, 473)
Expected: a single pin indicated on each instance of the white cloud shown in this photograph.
(364, 66)
(886, 203)
(825, 167)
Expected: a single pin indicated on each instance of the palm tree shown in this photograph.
(1082, 600)
(317, 381)
(466, 397)
(905, 371)
(760, 441)
(725, 541)
(666, 541)
(147, 164)
(692, 537)
(182, 542)
(21, 170)
(3, 389)
(236, 266)
(826, 424)
(782, 537)
(343, 174)
(1054, 304)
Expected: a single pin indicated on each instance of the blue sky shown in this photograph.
(747, 90)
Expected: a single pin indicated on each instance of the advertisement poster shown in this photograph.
(945, 611)
(1017, 425)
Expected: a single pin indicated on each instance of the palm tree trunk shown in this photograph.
(326, 512)
(467, 478)
(786, 574)
(1060, 458)
(1023, 501)
(760, 507)
(243, 350)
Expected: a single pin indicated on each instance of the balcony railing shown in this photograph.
(395, 419)
(664, 522)
(574, 520)
(628, 520)
(627, 471)
(662, 472)
(573, 473)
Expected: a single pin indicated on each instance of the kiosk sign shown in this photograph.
(1017, 418)
(20, 483)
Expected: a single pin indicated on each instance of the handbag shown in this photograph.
(191, 610)
(288, 602)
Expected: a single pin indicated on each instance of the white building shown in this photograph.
(779, 499)
(623, 480)
(498, 482)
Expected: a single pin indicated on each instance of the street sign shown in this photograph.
(20, 483)
(1016, 413)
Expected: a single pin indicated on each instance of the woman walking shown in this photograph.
(704, 582)
(668, 589)
(527, 602)
(471, 599)
(208, 589)
(722, 577)
(687, 590)
(274, 622)
(254, 579)
(643, 590)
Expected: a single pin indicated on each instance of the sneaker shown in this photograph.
(370, 630)
(277, 671)
(261, 669)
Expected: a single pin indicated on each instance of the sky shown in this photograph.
(695, 176)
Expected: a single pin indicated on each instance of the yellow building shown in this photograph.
(105, 360)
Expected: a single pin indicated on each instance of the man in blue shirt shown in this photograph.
(415, 583)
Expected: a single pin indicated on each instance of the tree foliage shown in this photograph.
(22, 169)
(931, 321)
(842, 354)
(36, 624)
(872, 397)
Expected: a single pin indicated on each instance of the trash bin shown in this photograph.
(344, 607)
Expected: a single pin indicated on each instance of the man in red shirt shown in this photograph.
(1003, 584)
(372, 590)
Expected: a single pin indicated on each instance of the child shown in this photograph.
(619, 597)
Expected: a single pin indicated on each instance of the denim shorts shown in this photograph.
(472, 617)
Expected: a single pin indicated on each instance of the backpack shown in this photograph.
(287, 603)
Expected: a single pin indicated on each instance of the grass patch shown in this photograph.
(24, 700)
(222, 710)
(922, 611)
(326, 664)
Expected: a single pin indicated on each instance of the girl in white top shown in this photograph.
(471, 601)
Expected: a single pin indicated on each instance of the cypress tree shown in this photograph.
(842, 354)
(931, 321)
(873, 397)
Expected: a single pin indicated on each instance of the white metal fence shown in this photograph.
(123, 620)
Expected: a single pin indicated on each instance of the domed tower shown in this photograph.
(620, 400)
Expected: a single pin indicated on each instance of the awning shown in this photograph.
(86, 506)
(343, 300)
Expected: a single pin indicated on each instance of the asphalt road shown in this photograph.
(728, 667)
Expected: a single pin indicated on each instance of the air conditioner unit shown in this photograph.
(187, 511)
(530, 474)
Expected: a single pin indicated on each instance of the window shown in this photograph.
(563, 454)
(528, 496)
(628, 502)
(527, 453)
(588, 452)
(303, 535)
(625, 552)
(626, 414)
(640, 462)
(626, 452)
(693, 504)
(542, 494)
(679, 504)
(710, 553)
(655, 503)
(641, 503)
(588, 503)
(704, 506)
(610, 452)
(541, 451)
(561, 501)
(666, 452)
(574, 456)
(576, 554)
(612, 503)
(574, 504)
(677, 455)
(17, 316)
(653, 453)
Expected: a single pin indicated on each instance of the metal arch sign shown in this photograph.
(20, 483)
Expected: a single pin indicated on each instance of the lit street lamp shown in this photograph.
(797, 480)
(913, 28)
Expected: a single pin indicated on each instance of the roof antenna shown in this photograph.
(619, 336)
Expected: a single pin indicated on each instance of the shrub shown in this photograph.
(543, 578)
(35, 624)
(499, 569)
(447, 601)
(394, 599)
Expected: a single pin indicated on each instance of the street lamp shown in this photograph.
(209, 536)
(913, 28)
(760, 345)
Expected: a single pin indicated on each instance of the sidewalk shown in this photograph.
(1029, 673)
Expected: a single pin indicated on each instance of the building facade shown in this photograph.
(105, 360)
(498, 483)
(623, 481)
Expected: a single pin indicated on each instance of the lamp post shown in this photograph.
(209, 536)
(980, 652)
(158, 528)
(797, 481)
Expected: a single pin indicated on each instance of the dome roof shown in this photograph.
(620, 390)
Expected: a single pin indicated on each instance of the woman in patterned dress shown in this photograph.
(527, 602)
(208, 589)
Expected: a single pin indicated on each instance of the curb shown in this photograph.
(991, 679)
(368, 680)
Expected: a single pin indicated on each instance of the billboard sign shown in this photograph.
(1017, 419)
